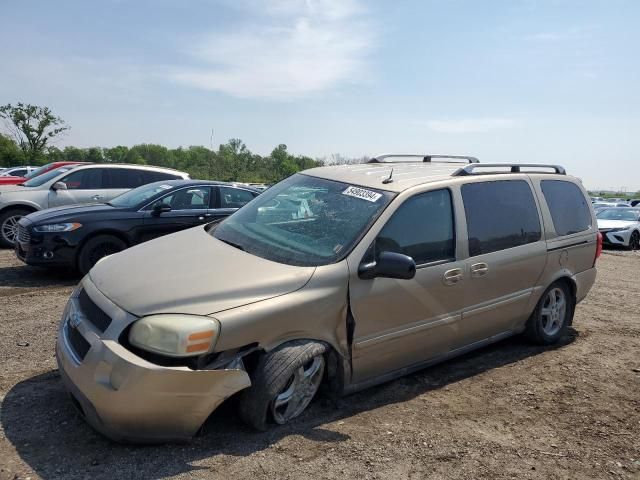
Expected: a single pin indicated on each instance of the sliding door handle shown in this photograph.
(479, 269)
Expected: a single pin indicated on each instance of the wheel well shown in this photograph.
(113, 233)
(334, 371)
(18, 207)
(568, 281)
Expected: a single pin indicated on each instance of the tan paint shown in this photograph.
(399, 324)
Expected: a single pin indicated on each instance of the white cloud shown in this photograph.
(471, 125)
(293, 49)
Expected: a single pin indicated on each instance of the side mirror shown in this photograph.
(59, 186)
(160, 208)
(389, 265)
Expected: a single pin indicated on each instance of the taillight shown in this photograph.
(598, 248)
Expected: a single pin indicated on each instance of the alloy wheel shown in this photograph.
(10, 228)
(299, 391)
(553, 312)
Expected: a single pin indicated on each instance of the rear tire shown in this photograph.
(96, 248)
(9, 225)
(283, 384)
(553, 314)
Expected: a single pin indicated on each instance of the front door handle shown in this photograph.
(453, 276)
(96, 197)
(479, 269)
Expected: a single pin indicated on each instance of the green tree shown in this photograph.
(116, 154)
(74, 154)
(10, 154)
(32, 127)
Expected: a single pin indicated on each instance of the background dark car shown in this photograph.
(79, 236)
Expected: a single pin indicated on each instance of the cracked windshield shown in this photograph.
(304, 221)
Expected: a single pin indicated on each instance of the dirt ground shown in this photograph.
(507, 411)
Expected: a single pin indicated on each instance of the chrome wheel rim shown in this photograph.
(10, 228)
(299, 391)
(553, 311)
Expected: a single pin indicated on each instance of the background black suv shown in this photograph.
(79, 236)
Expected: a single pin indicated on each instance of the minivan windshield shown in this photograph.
(45, 177)
(619, 214)
(135, 197)
(304, 221)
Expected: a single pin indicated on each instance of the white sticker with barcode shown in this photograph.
(362, 193)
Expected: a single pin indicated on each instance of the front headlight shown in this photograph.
(175, 335)
(57, 227)
(623, 229)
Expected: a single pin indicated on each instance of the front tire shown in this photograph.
(283, 384)
(96, 248)
(553, 314)
(634, 241)
(9, 225)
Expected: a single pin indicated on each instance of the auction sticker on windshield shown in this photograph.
(362, 193)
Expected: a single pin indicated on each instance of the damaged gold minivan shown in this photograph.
(344, 276)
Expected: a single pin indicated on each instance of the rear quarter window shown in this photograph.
(568, 206)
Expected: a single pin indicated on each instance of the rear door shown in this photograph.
(506, 256)
(121, 180)
(190, 206)
(230, 199)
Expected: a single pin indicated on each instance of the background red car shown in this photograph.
(35, 173)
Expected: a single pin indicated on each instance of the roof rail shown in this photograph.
(426, 157)
(513, 168)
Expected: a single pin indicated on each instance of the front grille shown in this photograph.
(92, 312)
(23, 234)
(79, 345)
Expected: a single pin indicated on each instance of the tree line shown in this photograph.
(30, 129)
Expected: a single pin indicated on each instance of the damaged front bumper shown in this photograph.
(126, 397)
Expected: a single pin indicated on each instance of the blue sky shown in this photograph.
(554, 81)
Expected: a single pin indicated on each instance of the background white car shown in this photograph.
(620, 226)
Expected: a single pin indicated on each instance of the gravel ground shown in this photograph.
(507, 411)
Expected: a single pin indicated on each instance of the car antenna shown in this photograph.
(389, 179)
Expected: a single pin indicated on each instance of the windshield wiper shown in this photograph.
(239, 247)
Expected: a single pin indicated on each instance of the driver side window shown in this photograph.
(421, 228)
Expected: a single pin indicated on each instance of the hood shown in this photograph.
(74, 213)
(615, 223)
(194, 273)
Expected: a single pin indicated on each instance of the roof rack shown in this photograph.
(513, 168)
(426, 157)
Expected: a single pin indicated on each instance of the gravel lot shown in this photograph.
(507, 411)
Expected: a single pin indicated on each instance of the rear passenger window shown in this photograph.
(568, 206)
(421, 228)
(500, 215)
(124, 178)
(234, 197)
